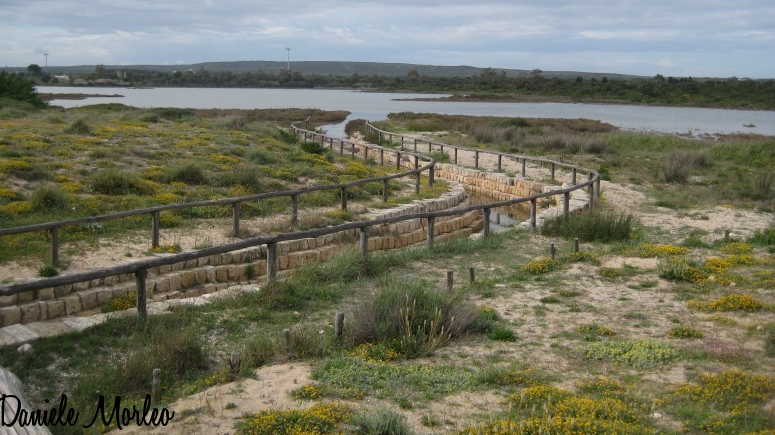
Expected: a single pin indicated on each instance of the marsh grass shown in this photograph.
(602, 226)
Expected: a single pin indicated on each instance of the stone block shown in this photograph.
(89, 299)
(25, 297)
(55, 309)
(63, 290)
(187, 279)
(162, 285)
(72, 304)
(222, 273)
(44, 294)
(10, 315)
(104, 296)
(175, 281)
(210, 288)
(30, 312)
(6, 301)
(200, 276)
(209, 274)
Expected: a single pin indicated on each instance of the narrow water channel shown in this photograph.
(501, 218)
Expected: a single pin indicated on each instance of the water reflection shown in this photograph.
(502, 218)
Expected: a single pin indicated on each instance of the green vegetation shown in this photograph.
(603, 226)
(16, 87)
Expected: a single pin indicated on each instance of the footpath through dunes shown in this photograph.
(254, 259)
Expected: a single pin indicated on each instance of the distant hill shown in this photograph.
(330, 68)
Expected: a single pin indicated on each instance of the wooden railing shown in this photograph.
(140, 268)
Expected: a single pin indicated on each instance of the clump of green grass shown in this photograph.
(47, 271)
(602, 226)
(382, 421)
(637, 353)
(49, 199)
(115, 182)
(188, 173)
(502, 334)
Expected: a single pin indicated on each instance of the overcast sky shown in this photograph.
(718, 38)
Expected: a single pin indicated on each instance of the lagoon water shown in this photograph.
(376, 105)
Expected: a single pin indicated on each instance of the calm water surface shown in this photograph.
(376, 106)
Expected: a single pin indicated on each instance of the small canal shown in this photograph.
(502, 218)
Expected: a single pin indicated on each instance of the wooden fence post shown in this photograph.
(416, 162)
(398, 160)
(415, 145)
(364, 242)
(341, 147)
(486, 230)
(476, 159)
(235, 361)
(566, 205)
(344, 198)
(156, 386)
(552, 171)
(55, 247)
(271, 262)
(450, 280)
(431, 175)
(533, 204)
(417, 185)
(524, 164)
(431, 230)
(287, 336)
(471, 275)
(294, 209)
(552, 250)
(339, 326)
(155, 229)
(235, 217)
(500, 157)
(575, 244)
(384, 190)
(382, 157)
(573, 177)
(142, 307)
(456, 156)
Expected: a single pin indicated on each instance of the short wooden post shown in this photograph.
(552, 250)
(441, 149)
(294, 209)
(575, 244)
(235, 362)
(471, 275)
(456, 156)
(235, 218)
(524, 167)
(155, 229)
(55, 247)
(487, 221)
(573, 177)
(341, 147)
(431, 230)
(430, 147)
(287, 336)
(156, 386)
(415, 145)
(384, 190)
(382, 157)
(431, 175)
(533, 204)
(552, 170)
(402, 142)
(566, 205)
(476, 159)
(416, 162)
(339, 326)
(344, 198)
(352, 150)
(271, 262)
(450, 280)
(364, 242)
(331, 143)
(500, 158)
(417, 185)
(142, 308)
(322, 139)
(365, 153)
(726, 236)
(390, 138)
(380, 136)
(398, 160)
(597, 189)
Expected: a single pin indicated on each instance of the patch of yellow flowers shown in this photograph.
(320, 419)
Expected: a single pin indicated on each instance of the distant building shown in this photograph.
(62, 79)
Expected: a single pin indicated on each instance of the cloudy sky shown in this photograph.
(718, 38)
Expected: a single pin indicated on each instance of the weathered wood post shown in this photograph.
(364, 242)
(597, 188)
(552, 171)
(235, 362)
(385, 190)
(591, 191)
(726, 236)
(398, 160)
(476, 159)
(331, 144)
(416, 162)
(352, 150)
(524, 169)
(287, 336)
(156, 386)
(566, 205)
(142, 308)
(341, 147)
(533, 204)
(486, 230)
(471, 275)
(235, 217)
(575, 244)
(456, 156)
(431, 230)
(55, 246)
(450, 280)
(415, 145)
(339, 326)
(431, 175)
(430, 147)
(552, 250)
(417, 184)
(271, 262)
(382, 157)
(500, 158)
(441, 149)
(155, 229)
(573, 177)
(344, 198)
(294, 209)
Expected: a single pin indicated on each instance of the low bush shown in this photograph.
(382, 421)
(638, 353)
(49, 198)
(684, 332)
(189, 173)
(602, 226)
(319, 419)
(115, 182)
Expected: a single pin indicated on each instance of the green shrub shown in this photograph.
(383, 421)
(244, 176)
(49, 198)
(601, 226)
(48, 271)
(638, 353)
(79, 126)
(312, 148)
(765, 237)
(115, 182)
(411, 317)
(502, 334)
(189, 173)
(684, 332)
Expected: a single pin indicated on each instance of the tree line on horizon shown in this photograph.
(490, 84)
